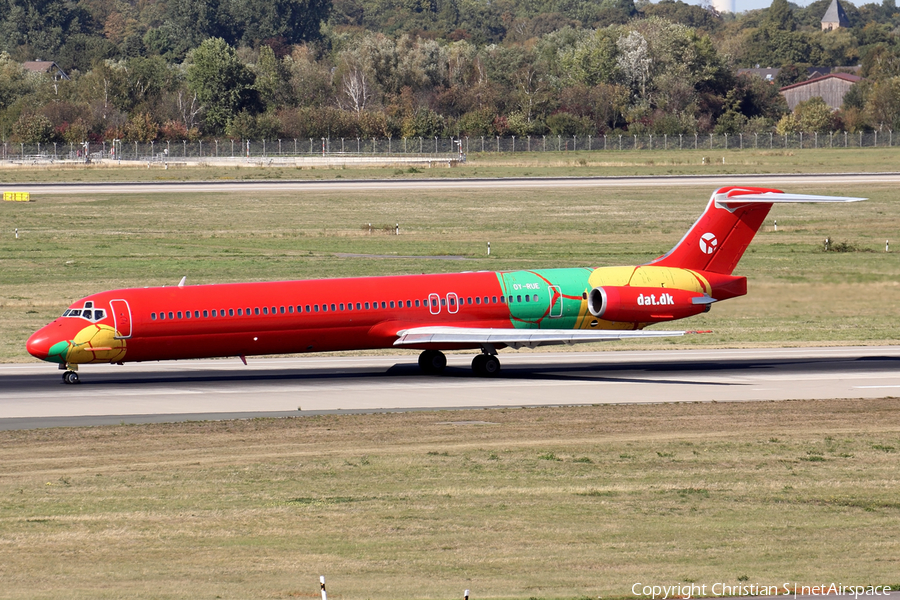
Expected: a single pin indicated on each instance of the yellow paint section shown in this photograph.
(648, 276)
(96, 344)
(17, 196)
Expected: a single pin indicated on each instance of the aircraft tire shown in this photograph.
(485, 365)
(70, 377)
(432, 362)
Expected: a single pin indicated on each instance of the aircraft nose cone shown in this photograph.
(38, 345)
(48, 343)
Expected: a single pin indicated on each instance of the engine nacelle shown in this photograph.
(645, 305)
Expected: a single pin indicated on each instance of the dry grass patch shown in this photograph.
(547, 503)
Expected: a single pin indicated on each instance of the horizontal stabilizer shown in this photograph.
(778, 198)
(519, 338)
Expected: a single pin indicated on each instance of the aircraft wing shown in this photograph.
(519, 338)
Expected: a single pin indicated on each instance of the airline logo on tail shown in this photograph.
(708, 243)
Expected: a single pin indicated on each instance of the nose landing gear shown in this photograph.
(70, 374)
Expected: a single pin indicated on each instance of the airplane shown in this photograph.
(485, 310)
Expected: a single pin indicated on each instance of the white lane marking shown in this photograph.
(874, 387)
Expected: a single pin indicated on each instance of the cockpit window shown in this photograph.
(87, 313)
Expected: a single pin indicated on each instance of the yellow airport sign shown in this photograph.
(17, 196)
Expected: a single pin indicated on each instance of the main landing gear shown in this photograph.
(485, 365)
(433, 362)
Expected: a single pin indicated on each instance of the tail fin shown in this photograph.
(717, 241)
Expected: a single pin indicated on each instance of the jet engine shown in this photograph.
(645, 304)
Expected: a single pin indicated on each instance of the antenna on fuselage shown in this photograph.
(181, 283)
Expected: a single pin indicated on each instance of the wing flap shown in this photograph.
(519, 338)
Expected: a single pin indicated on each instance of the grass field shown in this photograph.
(536, 503)
(518, 164)
(799, 294)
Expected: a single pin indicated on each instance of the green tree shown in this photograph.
(253, 21)
(271, 78)
(883, 103)
(222, 83)
(34, 129)
(780, 16)
(814, 115)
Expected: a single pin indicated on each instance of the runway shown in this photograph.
(33, 395)
(711, 181)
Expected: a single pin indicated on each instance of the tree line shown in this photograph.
(144, 70)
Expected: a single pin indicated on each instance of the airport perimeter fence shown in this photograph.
(441, 148)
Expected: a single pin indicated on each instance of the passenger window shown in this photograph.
(205, 314)
(384, 305)
(535, 297)
(392, 304)
(240, 314)
(187, 314)
(214, 312)
(527, 298)
(281, 309)
(230, 312)
(152, 316)
(452, 301)
(417, 304)
(358, 306)
(502, 299)
(307, 308)
(265, 310)
(342, 306)
(477, 300)
(493, 299)
(332, 308)
(518, 298)
(367, 306)
(443, 302)
(291, 309)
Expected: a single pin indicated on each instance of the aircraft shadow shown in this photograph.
(588, 372)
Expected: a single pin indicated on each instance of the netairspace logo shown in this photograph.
(693, 590)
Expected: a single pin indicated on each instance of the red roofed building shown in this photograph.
(831, 88)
